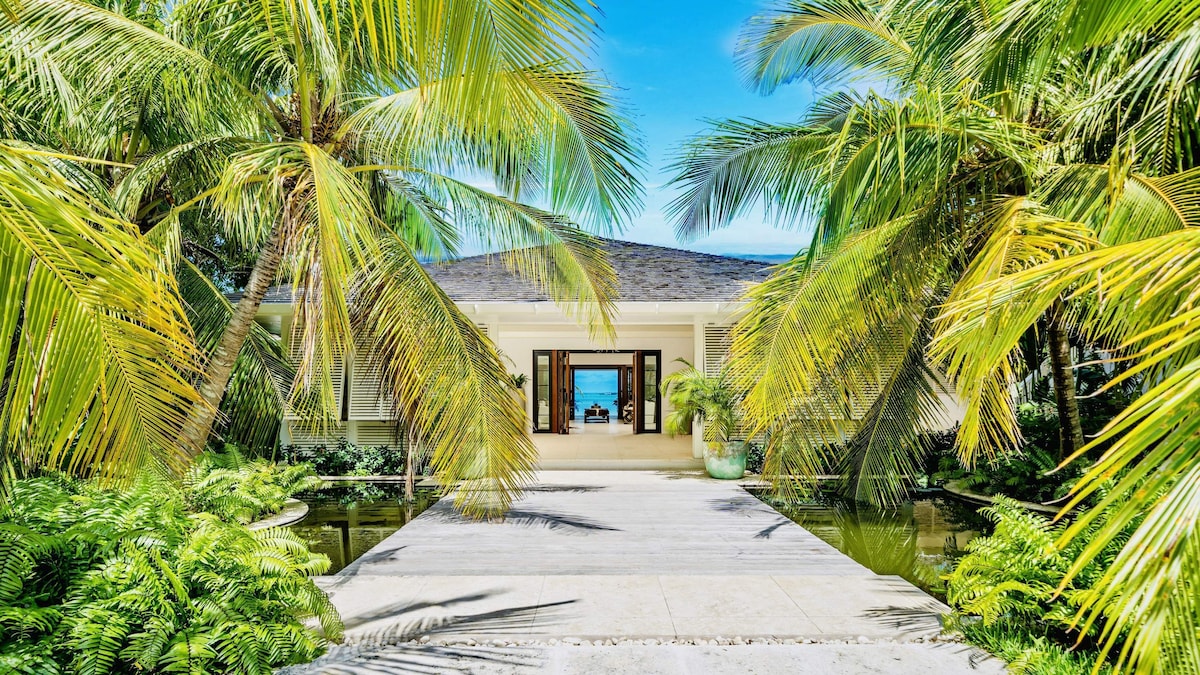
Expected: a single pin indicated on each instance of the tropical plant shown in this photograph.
(1030, 170)
(696, 396)
(350, 459)
(99, 354)
(1017, 580)
(1028, 653)
(100, 581)
(320, 144)
(240, 490)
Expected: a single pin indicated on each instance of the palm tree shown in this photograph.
(936, 239)
(330, 145)
(833, 347)
(694, 396)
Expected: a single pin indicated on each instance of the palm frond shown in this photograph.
(883, 456)
(1143, 299)
(138, 61)
(1021, 236)
(447, 379)
(99, 352)
(743, 163)
(254, 402)
(563, 261)
(541, 133)
(819, 41)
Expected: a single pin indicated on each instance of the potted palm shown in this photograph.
(712, 400)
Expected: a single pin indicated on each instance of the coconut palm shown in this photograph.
(972, 242)
(833, 346)
(329, 145)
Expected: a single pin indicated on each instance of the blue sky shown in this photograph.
(674, 63)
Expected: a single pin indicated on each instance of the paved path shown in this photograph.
(612, 555)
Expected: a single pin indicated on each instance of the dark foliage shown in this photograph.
(347, 459)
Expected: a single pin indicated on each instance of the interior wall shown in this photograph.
(602, 359)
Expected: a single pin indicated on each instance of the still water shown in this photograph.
(345, 520)
(918, 541)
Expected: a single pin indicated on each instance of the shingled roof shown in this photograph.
(645, 273)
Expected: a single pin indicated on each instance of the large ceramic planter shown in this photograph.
(725, 460)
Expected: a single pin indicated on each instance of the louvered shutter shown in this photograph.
(367, 398)
(378, 434)
(716, 348)
(304, 436)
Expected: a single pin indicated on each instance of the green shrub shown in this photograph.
(236, 489)
(1012, 573)
(1010, 581)
(756, 457)
(97, 581)
(1028, 653)
(347, 459)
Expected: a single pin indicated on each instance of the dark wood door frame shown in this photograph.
(630, 382)
(640, 391)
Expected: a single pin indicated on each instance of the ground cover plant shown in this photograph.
(350, 459)
(235, 488)
(94, 581)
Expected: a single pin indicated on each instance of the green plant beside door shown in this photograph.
(711, 399)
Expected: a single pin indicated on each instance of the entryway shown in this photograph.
(601, 410)
(576, 390)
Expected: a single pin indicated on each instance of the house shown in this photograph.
(671, 304)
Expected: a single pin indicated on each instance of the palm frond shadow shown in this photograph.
(908, 619)
(766, 532)
(376, 554)
(552, 520)
(745, 503)
(506, 621)
(574, 489)
(400, 608)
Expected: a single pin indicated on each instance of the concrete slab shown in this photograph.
(804, 659)
(626, 555)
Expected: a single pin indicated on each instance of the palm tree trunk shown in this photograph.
(1070, 429)
(220, 364)
(410, 465)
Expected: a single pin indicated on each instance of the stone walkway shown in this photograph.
(622, 558)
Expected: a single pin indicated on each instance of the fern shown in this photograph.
(1012, 581)
(1012, 573)
(237, 489)
(98, 581)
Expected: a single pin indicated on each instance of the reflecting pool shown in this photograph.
(918, 541)
(347, 519)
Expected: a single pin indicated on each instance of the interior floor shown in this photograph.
(610, 428)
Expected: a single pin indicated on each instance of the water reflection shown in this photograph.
(346, 520)
(918, 541)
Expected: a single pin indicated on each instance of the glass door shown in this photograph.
(647, 368)
(543, 392)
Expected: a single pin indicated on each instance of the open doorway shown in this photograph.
(597, 394)
(596, 391)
